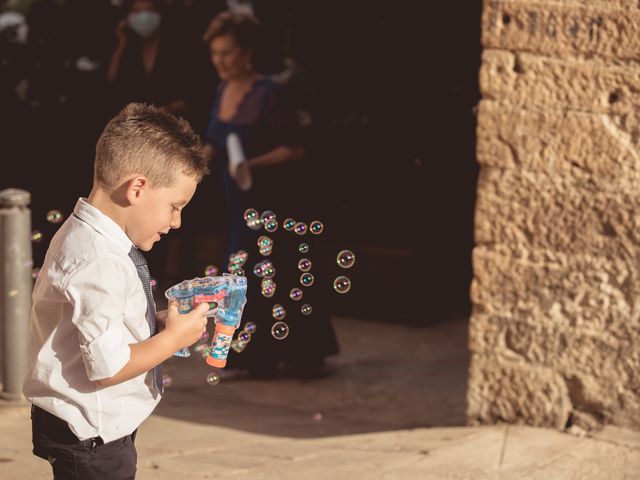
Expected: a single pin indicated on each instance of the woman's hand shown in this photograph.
(121, 34)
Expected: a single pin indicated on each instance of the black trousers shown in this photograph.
(74, 459)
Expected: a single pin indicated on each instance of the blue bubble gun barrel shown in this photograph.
(226, 295)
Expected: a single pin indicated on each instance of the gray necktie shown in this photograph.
(143, 272)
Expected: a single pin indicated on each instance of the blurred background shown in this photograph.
(383, 91)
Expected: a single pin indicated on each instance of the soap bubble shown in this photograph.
(295, 294)
(316, 227)
(238, 272)
(268, 287)
(307, 279)
(238, 258)
(35, 272)
(36, 236)
(267, 216)
(280, 330)
(153, 283)
(271, 226)
(300, 228)
(257, 269)
(278, 312)
(342, 284)
(244, 337)
(252, 218)
(346, 259)
(250, 327)
(266, 251)
(268, 270)
(317, 416)
(237, 345)
(264, 241)
(306, 309)
(254, 224)
(250, 214)
(288, 224)
(55, 216)
(213, 378)
(304, 265)
(211, 271)
(303, 248)
(166, 381)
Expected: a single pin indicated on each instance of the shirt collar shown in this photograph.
(102, 224)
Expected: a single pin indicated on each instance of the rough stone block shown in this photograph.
(561, 29)
(540, 211)
(540, 83)
(516, 393)
(599, 149)
(587, 293)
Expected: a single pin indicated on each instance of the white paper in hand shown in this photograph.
(238, 166)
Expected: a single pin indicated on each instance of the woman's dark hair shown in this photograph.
(243, 27)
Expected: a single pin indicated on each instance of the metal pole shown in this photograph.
(16, 263)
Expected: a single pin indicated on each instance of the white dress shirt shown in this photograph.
(88, 306)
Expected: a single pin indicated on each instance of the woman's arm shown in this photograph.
(278, 155)
(116, 58)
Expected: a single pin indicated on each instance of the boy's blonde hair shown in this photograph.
(143, 139)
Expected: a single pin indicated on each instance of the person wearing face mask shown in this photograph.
(144, 67)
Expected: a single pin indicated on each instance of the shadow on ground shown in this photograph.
(386, 377)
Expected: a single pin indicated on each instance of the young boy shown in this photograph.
(93, 378)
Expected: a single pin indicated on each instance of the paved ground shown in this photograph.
(392, 408)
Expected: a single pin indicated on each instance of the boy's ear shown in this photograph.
(135, 188)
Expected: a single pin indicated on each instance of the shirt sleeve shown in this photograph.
(97, 294)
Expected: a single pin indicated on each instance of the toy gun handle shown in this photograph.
(220, 345)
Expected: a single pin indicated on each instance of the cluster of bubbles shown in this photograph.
(53, 216)
(244, 337)
(264, 269)
(268, 287)
(265, 245)
(237, 260)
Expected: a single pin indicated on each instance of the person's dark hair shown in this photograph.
(159, 5)
(142, 139)
(243, 27)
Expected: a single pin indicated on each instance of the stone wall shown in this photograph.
(555, 329)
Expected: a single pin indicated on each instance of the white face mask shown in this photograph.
(144, 23)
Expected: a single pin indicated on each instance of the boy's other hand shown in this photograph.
(186, 329)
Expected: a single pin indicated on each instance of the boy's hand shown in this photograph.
(186, 329)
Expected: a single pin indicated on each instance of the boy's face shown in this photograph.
(157, 210)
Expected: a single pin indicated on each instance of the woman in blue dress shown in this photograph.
(249, 105)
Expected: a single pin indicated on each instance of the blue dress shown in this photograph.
(261, 122)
